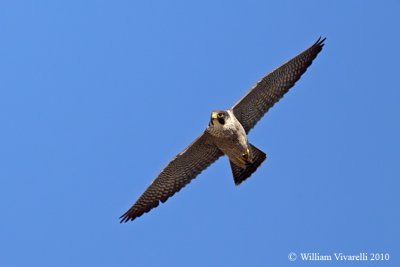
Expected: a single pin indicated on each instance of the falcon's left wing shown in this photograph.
(252, 107)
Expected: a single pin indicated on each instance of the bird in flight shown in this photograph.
(226, 134)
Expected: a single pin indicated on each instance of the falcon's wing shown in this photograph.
(178, 173)
(252, 107)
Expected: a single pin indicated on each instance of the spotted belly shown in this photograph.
(237, 151)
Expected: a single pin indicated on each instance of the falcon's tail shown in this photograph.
(241, 174)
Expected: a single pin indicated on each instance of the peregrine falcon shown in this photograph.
(226, 134)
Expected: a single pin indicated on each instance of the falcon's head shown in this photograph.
(219, 118)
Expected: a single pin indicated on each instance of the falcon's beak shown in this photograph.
(214, 115)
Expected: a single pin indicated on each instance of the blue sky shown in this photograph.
(97, 96)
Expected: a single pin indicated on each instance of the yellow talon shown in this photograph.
(246, 155)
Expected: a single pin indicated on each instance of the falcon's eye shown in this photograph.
(220, 115)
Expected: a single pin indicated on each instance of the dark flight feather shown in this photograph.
(270, 89)
(178, 173)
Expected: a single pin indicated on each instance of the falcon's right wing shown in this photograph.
(178, 173)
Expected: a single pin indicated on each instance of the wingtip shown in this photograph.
(320, 42)
(133, 213)
(124, 218)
